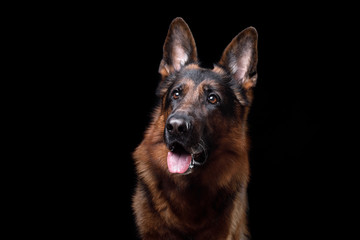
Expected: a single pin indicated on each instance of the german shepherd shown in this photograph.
(192, 165)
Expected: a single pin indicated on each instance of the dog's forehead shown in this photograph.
(198, 75)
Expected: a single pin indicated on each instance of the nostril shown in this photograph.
(169, 127)
(181, 129)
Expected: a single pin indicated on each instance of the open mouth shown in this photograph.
(182, 161)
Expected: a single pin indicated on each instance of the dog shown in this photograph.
(193, 163)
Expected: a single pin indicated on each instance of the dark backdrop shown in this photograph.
(111, 62)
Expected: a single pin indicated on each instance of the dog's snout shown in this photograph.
(178, 125)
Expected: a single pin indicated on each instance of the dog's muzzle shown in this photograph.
(185, 151)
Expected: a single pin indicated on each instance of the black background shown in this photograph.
(108, 66)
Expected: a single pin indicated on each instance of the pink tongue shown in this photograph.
(178, 163)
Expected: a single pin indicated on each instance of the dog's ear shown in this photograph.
(179, 48)
(240, 58)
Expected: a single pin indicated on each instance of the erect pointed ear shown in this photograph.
(240, 58)
(179, 48)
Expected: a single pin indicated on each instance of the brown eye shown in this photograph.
(176, 94)
(213, 99)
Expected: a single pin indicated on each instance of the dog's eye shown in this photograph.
(176, 94)
(213, 99)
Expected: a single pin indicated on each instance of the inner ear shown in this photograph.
(241, 64)
(179, 56)
(179, 48)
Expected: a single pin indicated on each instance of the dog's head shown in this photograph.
(202, 105)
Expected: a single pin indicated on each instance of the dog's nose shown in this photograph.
(178, 125)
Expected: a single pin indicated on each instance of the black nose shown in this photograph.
(177, 125)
